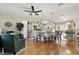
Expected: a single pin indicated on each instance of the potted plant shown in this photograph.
(19, 27)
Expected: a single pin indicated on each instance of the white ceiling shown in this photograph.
(51, 11)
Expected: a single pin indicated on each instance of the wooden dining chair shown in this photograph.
(46, 37)
(53, 38)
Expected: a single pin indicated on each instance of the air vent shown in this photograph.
(60, 4)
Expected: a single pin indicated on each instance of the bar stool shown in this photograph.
(53, 38)
(58, 36)
(38, 37)
(34, 35)
(46, 36)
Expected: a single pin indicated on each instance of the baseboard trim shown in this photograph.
(20, 51)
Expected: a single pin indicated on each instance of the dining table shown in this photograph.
(46, 35)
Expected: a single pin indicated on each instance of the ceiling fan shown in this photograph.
(33, 12)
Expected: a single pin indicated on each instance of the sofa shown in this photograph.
(12, 43)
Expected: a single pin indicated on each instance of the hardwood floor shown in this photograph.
(68, 47)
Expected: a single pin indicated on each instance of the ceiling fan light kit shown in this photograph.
(33, 14)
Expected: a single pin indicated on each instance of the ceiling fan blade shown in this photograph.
(30, 14)
(38, 11)
(36, 14)
(27, 11)
(32, 8)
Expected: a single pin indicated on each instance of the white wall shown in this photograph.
(25, 29)
(77, 25)
(13, 20)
